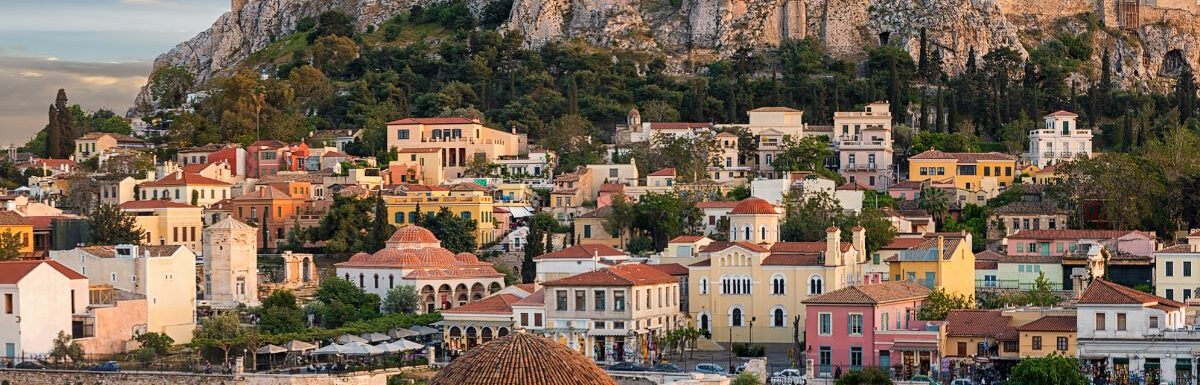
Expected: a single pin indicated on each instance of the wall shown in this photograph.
(59, 377)
(114, 327)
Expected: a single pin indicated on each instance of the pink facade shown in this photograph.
(884, 327)
(267, 157)
(1062, 242)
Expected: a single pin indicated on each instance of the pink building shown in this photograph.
(1066, 242)
(870, 325)
(267, 157)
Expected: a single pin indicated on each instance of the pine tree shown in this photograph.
(381, 230)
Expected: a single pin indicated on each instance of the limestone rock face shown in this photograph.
(1143, 53)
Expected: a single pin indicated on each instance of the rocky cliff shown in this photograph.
(1145, 44)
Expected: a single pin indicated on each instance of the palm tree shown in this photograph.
(935, 201)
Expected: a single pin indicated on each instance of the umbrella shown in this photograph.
(406, 345)
(389, 347)
(375, 337)
(424, 330)
(348, 338)
(330, 349)
(270, 349)
(361, 349)
(402, 333)
(298, 346)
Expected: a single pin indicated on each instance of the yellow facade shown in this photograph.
(590, 230)
(955, 274)
(477, 207)
(968, 171)
(170, 225)
(23, 231)
(1049, 343)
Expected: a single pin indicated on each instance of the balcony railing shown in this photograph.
(861, 143)
(1048, 154)
(1065, 154)
(860, 166)
(1012, 284)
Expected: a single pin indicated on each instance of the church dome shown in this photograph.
(522, 359)
(466, 258)
(413, 237)
(753, 206)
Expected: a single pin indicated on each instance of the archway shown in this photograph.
(305, 274)
(502, 332)
(486, 334)
(428, 299)
(494, 287)
(444, 296)
(1173, 63)
(704, 322)
(462, 299)
(478, 290)
(471, 335)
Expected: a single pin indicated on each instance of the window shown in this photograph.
(1037, 343)
(524, 319)
(1011, 346)
(856, 357)
(924, 171)
(815, 285)
(560, 302)
(537, 319)
(856, 324)
(1153, 322)
(778, 286)
(825, 324)
(587, 231)
(1187, 294)
(8, 304)
(1061, 344)
(962, 349)
(619, 300)
(1169, 268)
(1100, 321)
(703, 285)
(825, 357)
(580, 300)
(1120, 322)
(875, 258)
(399, 217)
(613, 172)
(402, 134)
(1187, 268)
(777, 318)
(735, 317)
(1170, 294)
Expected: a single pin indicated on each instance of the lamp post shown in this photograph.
(752, 319)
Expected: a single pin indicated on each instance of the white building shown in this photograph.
(1177, 270)
(231, 264)
(576, 260)
(1061, 140)
(186, 188)
(165, 275)
(1122, 330)
(535, 164)
(37, 301)
(864, 143)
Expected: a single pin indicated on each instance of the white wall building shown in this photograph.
(1122, 330)
(576, 259)
(231, 264)
(37, 300)
(1059, 141)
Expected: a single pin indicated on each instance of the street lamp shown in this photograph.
(752, 319)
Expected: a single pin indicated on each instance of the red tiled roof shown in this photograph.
(774, 109)
(1050, 323)
(988, 255)
(1042, 259)
(669, 171)
(716, 205)
(412, 234)
(1075, 234)
(674, 269)
(903, 243)
(980, 323)
(180, 178)
(716, 246)
(1103, 292)
(1176, 249)
(118, 137)
(630, 274)
(872, 294)
(611, 187)
(496, 304)
(522, 359)
(153, 204)
(1062, 113)
(678, 125)
(986, 265)
(419, 150)
(686, 239)
(467, 187)
(54, 163)
(852, 187)
(43, 222)
(10, 218)
(266, 192)
(753, 206)
(12, 272)
(537, 298)
(582, 252)
(965, 157)
(432, 121)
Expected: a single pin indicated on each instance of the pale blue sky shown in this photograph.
(100, 51)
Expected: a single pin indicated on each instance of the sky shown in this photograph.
(100, 51)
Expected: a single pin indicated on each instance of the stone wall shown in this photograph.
(68, 377)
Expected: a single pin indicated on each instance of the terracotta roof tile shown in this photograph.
(433, 121)
(986, 265)
(880, 293)
(965, 157)
(686, 239)
(496, 304)
(153, 204)
(980, 323)
(522, 359)
(1103, 292)
(1075, 234)
(537, 298)
(1050, 323)
(774, 109)
(1062, 113)
(631, 274)
(903, 243)
(418, 150)
(674, 269)
(412, 234)
(669, 171)
(10, 218)
(180, 178)
(753, 206)
(716, 205)
(12, 272)
(583, 252)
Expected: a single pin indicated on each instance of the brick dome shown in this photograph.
(522, 359)
(466, 258)
(753, 206)
(413, 235)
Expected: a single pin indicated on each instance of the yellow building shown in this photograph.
(167, 223)
(989, 172)
(941, 261)
(1049, 334)
(96, 143)
(460, 140)
(466, 200)
(11, 222)
(570, 192)
(970, 333)
(426, 159)
(757, 279)
(589, 229)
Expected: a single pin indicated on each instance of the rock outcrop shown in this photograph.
(1144, 47)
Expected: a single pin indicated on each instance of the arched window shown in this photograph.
(391, 281)
(778, 285)
(376, 281)
(735, 317)
(703, 285)
(704, 321)
(347, 276)
(745, 285)
(778, 318)
(747, 231)
(815, 285)
(724, 285)
(764, 234)
(360, 280)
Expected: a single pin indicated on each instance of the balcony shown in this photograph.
(1048, 154)
(852, 144)
(860, 167)
(1065, 154)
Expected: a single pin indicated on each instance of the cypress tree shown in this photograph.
(1185, 94)
(60, 141)
(939, 126)
(923, 59)
(971, 68)
(924, 111)
(894, 91)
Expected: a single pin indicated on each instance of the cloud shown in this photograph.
(157, 3)
(30, 83)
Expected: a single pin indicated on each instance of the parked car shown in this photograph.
(110, 366)
(787, 377)
(667, 368)
(30, 365)
(627, 367)
(739, 369)
(962, 381)
(710, 369)
(923, 379)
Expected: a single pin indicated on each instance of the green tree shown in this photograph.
(280, 313)
(1054, 369)
(876, 226)
(401, 299)
(222, 329)
(156, 344)
(381, 230)
(111, 226)
(807, 154)
(510, 277)
(541, 226)
(806, 218)
(1041, 294)
(345, 302)
(65, 348)
(1185, 94)
(331, 23)
(10, 246)
(60, 134)
(940, 303)
(333, 53)
(169, 86)
(746, 378)
(457, 232)
(935, 201)
(867, 376)
(344, 228)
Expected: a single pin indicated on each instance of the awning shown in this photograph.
(915, 346)
(520, 211)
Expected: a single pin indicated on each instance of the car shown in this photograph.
(923, 379)
(626, 367)
(739, 369)
(666, 368)
(110, 366)
(787, 377)
(962, 381)
(710, 369)
(30, 365)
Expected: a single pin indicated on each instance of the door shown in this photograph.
(1045, 249)
(885, 359)
(10, 350)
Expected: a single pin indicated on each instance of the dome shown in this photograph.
(413, 234)
(467, 258)
(753, 206)
(522, 359)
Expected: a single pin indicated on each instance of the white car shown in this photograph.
(962, 381)
(787, 377)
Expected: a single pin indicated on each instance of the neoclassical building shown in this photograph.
(415, 257)
(754, 286)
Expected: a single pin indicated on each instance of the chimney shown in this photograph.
(942, 246)
(860, 242)
(833, 246)
(179, 175)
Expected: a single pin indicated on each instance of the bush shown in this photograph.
(747, 350)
